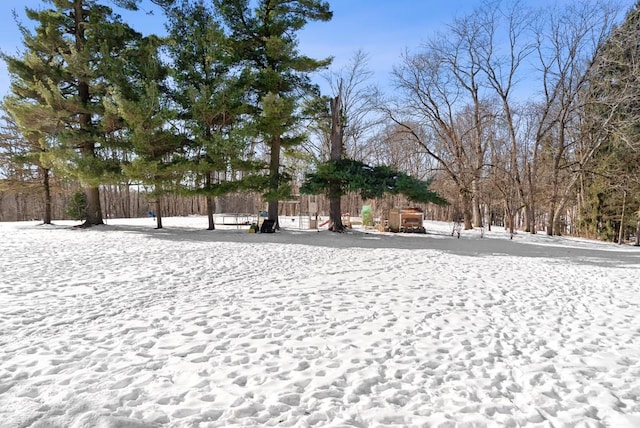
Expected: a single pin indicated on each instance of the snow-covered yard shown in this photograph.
(126, 326)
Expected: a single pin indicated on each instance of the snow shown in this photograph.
(124, 326)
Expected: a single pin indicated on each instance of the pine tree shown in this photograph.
(23, 168)
(141, 99)
(612, 118)
(336, 178)
(62, 79)
(210, 94)
(613, 95)
(265, 44)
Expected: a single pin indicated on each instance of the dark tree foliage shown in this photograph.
(23, 169)
(62, 79)
(77, 207)
(339, 177)
(612, 118)
(613, 95)
(141, 102)
(265, 45)
(210, 98)
(133, 4)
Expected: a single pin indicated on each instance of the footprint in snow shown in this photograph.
(302, 365)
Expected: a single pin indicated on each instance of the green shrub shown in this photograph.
(77, 207)
(367, 215)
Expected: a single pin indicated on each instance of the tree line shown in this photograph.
(562, 158)
(512, 114)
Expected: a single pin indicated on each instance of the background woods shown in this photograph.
(516, 116)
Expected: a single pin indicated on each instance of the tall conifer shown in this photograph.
(139, 103)
(265, 44)
(60, 82)
(210, 93)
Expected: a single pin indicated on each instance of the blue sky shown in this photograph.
(381, 28)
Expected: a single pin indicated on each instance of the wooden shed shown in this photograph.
(406, 220)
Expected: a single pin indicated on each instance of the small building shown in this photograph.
(406, 220)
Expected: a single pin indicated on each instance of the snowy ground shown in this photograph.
(124, 326)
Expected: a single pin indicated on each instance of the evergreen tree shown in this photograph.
(23, 168)
(139, 107)
(336, 178)
(612, 118)
(613, 191)
(210, 94)
(62, 79)
(265, 44)
(613, 95)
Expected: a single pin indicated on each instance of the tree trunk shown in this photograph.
(210, 210)
(87, 148)
(127, 201)
(274, 180)
(335, 215)
(621, 231)
(475, 201)
(337, 147)
(466, 209)
(158, 213)
(510, 219)
(47, 196)
(272, 212)
(531, 219)
(487, 217)
(525, 218)
(551, 220)
(17, 202)
(93, 211)
(210, 203)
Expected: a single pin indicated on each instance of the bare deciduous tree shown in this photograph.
(358, 100)
(567, 42)
(352, 118)
(445, 105)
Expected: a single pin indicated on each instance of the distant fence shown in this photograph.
(235, 219)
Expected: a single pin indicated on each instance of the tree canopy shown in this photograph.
(338, 177)
(62, 79)
(222, 105)
(264, 43)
